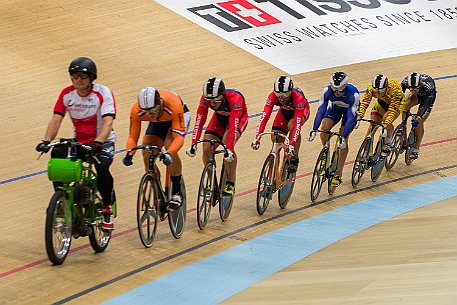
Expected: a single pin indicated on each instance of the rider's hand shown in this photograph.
(166, 158)
(128, 159)
(255, 144)
(312, 135)
(357, 123)
(415, 123)
(97, 147)
(342, 144)
(229, 157)
(43, 146)
(191, 151)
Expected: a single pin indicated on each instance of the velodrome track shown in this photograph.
(405, 257)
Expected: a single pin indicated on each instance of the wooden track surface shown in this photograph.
(143, 44)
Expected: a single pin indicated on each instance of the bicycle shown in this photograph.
(367, 157)
(274, 177)
(326, 168)
(209, 189)
(402, 143)
(152, 200)
(75, 209)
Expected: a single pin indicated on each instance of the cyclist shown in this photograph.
(422, 92)
(388, 106)
(92, 109)
(168, 117)
(293, 113)
(344, 103)
(228, 122)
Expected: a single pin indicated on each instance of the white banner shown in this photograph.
(299, 36)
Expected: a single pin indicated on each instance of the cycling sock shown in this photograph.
(176, 184)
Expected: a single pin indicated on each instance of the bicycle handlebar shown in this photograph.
(148, 148)
(72, 142)
(329, 132)
(276, 135)
(213, 142)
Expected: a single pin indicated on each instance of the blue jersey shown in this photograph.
(345, 107)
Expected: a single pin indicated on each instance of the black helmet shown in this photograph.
(85, 65)
(283, 84)
(213, 88)
(413, 80)
(380, 83)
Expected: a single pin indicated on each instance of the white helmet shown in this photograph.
(148, 98)
(338, 81)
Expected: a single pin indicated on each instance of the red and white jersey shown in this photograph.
(87, 112)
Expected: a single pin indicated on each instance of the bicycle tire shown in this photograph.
(206, 195)
(99, 238)
(57, 230)
(146, 210)
(411, 143)
(376, 168)
(396, 148)
(319, 174)
(361, 162)
(225, 202)
(177, 218)
(285, 192)
(265, 185)
(332, 187)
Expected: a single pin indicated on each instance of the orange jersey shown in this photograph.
(172, 111)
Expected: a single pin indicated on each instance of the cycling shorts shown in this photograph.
(218, 125)
(380, 107)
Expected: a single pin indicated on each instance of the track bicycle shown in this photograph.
(402, 143)
(211, 187)
(368, 156)
(275, 174)
(326, 165)
(152, 200)
(76, 207)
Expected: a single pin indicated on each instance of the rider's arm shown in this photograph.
(321, 108)
(178, 129)
(351, 120)
(53, 127)
(396, 97)
(200, 119)
(267, 109)
(366, 101)
(135, 128)
(299, 113)
(236, 105)
(107, 128)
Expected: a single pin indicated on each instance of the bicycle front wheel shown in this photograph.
(177, 218)
(288, 182)
(396, 147)
(378, 165)
(58, 228)
(266, 185)
(206, 195)
(361, 162)
(225, 202)
(319, 174)
(146, 210)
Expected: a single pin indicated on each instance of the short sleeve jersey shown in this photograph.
(87, 112)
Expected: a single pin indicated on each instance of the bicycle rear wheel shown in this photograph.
(225, 202)
(265, 185)
(378, 165)
(99, 238)
(411, 142)
(396, 147)
(285, 192)
(177, 218)
(206, 195)
(58, 228)
(146, 210)
(319, 174)
(361, 162)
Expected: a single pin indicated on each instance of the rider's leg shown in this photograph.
(420, 131)
(343, 154)
(175, 168)
(231, 166)
(327, 124)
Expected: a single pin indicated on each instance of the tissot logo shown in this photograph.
(234, 15)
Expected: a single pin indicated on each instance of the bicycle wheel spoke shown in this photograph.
(147, 217)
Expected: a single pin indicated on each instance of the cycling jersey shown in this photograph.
(172, 111)
(391, 101)
(295, 107)
(426, 95)
(345, 106)
(87, 112)
(232, 114)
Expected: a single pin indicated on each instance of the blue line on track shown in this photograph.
(222, 275)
